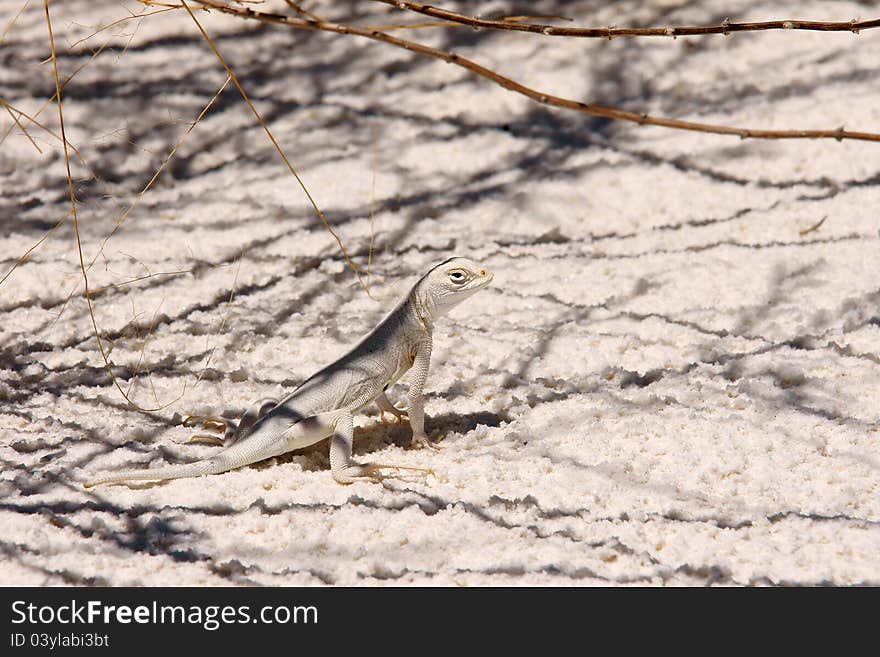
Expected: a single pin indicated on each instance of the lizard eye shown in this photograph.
(457, 276)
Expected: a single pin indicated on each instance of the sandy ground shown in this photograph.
(669, 382)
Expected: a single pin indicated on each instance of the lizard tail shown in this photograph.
(252, 449)
(197, 469)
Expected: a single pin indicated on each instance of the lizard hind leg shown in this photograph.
(343, 469)
(231, 431)
(254, 412)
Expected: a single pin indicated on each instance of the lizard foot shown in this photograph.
(400, 417)
(209, 438)
(422, 441)
(369, 472)
(215, 424)
(404, 467)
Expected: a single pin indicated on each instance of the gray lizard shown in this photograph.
(324, 405)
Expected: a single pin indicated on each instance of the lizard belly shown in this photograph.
(403, 366)
(308, 431)
(367, 390)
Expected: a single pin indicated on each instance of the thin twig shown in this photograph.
(127, 212)
(24, 256)
(137, 279)
(590, 109)
(302, 11)
(117, 22)
(67, 80)
(385, 27)
(137, 335)
(208, 349)
(389, 27)
(33, 121)
(725, 27)
(229, 71)
(85, 276)
(375, 164)
(12, 21)
(143, 352)
(124, 216)
(20, 126)
(814, 227)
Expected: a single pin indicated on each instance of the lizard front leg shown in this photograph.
(343, 469)
(418, 376)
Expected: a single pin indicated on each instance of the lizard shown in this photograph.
(323, 406)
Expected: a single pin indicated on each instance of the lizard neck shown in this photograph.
(420, 307)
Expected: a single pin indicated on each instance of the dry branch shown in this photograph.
(725, 27)
(590, 109)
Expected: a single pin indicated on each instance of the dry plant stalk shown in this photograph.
(725, 27)
(278, 148)
(591, 109)
(79, 248)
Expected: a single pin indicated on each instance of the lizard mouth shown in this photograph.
(485, 278)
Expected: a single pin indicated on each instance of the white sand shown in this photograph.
(667, 383)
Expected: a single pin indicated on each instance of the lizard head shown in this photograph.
(453, 281)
